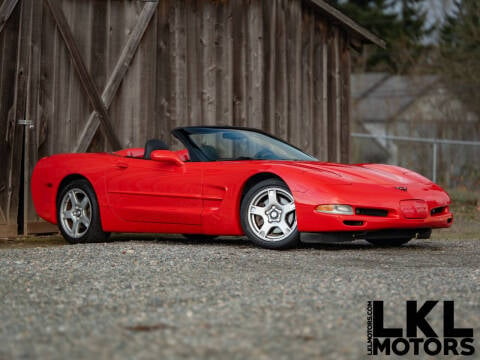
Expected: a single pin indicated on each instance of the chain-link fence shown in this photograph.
(451, 163)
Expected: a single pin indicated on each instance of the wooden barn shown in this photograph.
(97, 75)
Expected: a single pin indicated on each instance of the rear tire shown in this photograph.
(78, 215)
(389, 242)
(268, 215)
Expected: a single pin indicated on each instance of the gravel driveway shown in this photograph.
(223, 299)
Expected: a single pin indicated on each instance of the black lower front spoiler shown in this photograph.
(343, 236)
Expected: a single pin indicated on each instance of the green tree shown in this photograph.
(400, 24)
(459, 60)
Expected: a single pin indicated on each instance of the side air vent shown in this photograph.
(371, 212)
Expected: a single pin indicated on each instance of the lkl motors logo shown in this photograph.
(398, 341)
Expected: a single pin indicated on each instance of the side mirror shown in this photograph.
(166, 156)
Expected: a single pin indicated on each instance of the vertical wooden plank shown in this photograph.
(208, 63)
(325, 94)
(281, 82)
(118, 21)
(45, 134)
(345, 70)
(9, 42)
(334, 95)
(149, 55)
(337, 94)
(294, 64)
(33, 114)
(58, 61)
(80, 16)
(194, 104)
(178, 53)
(99, 142)
(239, 64)
(65, 76)
(129, 103)
(14, 162)
(163, 80)
(143, 126)
(307, 135)
(224, 59)
(319, 130)
(98, 45)
(255, 68)
(270, 35)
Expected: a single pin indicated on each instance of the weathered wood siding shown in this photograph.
(279, 65)
(11, 136)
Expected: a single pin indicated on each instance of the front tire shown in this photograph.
(78, 215)
(268, 215)
(389, 242)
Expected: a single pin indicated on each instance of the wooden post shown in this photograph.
(10, 133)
(19, 112)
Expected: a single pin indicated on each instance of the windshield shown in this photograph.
(225, 144)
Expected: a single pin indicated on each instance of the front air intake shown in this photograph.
(371, 212)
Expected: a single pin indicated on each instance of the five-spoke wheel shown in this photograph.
(268, 215)
(77, 213)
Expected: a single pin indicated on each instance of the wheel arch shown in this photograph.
(291, 238)
(68, 179)
(255, 179)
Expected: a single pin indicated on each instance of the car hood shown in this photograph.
(360, 173)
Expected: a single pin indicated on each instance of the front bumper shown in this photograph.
(327, 222)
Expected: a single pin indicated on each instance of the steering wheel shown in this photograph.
(265, 154)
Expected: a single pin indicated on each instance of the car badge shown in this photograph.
(401, 188)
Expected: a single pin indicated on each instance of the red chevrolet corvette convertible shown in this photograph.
(235, 181)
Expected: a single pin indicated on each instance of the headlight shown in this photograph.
(335, 209)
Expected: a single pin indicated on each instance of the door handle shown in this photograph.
(121, 165)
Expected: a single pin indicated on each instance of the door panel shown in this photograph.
(151, 191)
